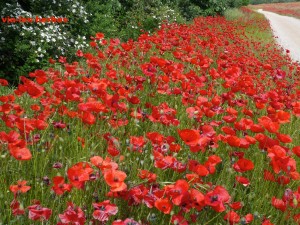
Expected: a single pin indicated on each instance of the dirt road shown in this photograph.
(287, 29)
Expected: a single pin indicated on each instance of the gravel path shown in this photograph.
(287, 29)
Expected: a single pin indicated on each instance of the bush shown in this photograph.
(28, 45)
(147, 19)
(233, 14)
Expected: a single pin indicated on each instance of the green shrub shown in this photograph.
(28, 46)
(233, 14)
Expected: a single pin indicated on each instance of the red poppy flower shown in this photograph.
(236, 205)
(201, 170)
(79, 53)
(296, 150)
(242, 180)
(228, 130)
(79, 174)
(99, 36)
(88, 118)
(33, 89)
(179, 220)
(59, 186)
(282, 116)
(213, 160)
(11, 137)
(103, 210)
(97, 161)
(271, 126)
(145, 174)
(190, 137)
(197, 199)
(72, 215)
(92, 107)
(266, 222)
(134, 100)
(115, 179)
(155, 138)
(268, 176)
(40, 76)
(163, 205)
(232, 217)
(93, 44)
(16, 209)
(248, 218)
(137, 143)
(229, 118)
(19, 151)
(62, 59)
(193, 178)
(177, 191)
(37, 212)
(104, 165)
(20, 187)
(3, 82)
(284, 138)
(51, 61)
(216, 198)
(283, 180)
(256, 128)
(233, 141)
(125, 222)
(113, 150)
(243, 124)
(243, 165)
(279, 204)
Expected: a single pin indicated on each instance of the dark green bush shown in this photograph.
(28, 46)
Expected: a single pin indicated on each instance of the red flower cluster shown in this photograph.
(190, 121)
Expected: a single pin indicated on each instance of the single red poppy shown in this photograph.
(126, 222)
(243, 165)
(72, 215)
(279, 204)
(190, 137)
(163, 205)
(37, 212)
(79, 173)
(115, 179)
(296, 150)
(232, 217)
(216, 198)
(179, 220)
(21, 187)
(233, 141)
(103, 210)
(242, 180)
(59, 185)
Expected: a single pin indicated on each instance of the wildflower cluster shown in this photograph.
(193, 124)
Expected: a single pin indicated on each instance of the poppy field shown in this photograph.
(285, 9)
(194, 124)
